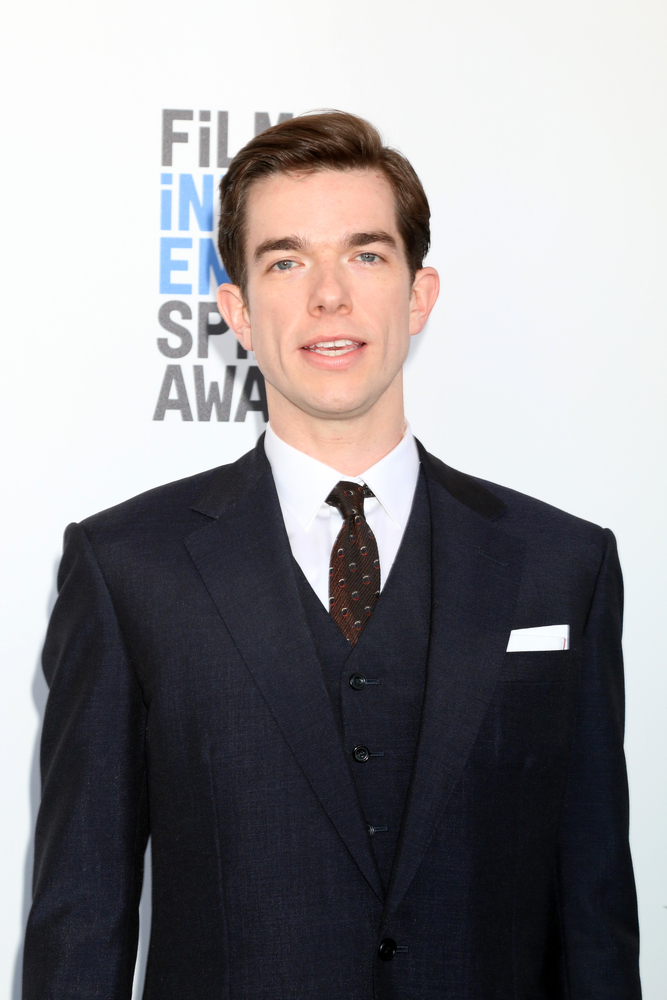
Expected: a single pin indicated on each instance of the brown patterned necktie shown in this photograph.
(354, 571)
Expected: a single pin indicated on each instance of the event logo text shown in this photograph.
(190, 271)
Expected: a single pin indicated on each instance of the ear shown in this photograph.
(235, 313)
(425, 289)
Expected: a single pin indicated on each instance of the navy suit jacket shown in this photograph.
(186, 701)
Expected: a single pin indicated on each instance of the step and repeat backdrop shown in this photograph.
(187, 207)
(539, 133)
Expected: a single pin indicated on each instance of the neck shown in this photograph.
(350, 444)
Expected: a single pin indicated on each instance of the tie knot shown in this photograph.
(349, 498)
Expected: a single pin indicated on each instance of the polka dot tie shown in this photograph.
(354, 572)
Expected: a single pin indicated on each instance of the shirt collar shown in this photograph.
(303, 483)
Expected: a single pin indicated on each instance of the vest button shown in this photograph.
(357, 682)
(387, 950)
(361, 754)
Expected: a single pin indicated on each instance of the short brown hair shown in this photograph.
(328, 140)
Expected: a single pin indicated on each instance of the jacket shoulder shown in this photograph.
(159, 503)
(525, 516)
(173, 509)
(531, 514)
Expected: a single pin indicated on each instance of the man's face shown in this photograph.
(330, 306)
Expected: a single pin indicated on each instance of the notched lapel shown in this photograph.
(245, 562)
(476, 575)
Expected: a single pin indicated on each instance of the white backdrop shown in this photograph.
(539, 132)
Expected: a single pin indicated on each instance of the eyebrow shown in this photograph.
(295, 243)
(363, 239)
(284, 243)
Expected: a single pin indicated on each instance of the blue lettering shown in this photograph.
(209, 261)
(165, 209)
(187, 196)
(167, 265)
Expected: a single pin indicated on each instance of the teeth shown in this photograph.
(332, 348)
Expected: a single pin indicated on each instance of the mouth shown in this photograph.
(333, 348)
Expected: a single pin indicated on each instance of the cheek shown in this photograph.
(267, 318)
(391, 313)
(387, 300)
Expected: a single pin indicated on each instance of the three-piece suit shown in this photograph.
(201, 694)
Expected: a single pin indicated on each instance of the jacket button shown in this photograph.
(361, 754)
(357, 682)
(387, 950)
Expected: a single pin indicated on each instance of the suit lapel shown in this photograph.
(476, 573)
(245, 562)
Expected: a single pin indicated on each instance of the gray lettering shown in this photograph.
(173, 377)
(206, 403)
(206, 328)
(224, 159)
(252, 379)
(204, 147)
(262, 120)
(169, 137)
(166, 322)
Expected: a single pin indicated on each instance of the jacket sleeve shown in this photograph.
(597, 906)
(92, 825)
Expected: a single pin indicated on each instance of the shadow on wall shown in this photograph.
(39, 695)
(144, 928)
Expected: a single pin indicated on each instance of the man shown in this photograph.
(370, 709)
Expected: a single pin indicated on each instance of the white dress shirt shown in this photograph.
(303, 484)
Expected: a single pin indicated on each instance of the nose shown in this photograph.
(329, 291)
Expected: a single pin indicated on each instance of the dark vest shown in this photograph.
(377, 688)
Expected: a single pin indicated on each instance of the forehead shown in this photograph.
(321, 205)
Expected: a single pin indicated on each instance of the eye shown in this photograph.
(284, 265)
(367, 257)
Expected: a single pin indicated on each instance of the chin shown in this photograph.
(340, 409)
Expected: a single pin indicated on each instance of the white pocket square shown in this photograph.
(533, 640)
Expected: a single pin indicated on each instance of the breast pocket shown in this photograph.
(544, 666)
